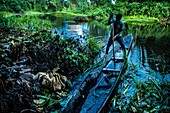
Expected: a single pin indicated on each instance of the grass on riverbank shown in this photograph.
(140, 19)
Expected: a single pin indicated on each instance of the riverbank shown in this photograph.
(134, 12)
(87, 18)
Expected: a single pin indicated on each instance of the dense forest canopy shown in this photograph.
(58, 5)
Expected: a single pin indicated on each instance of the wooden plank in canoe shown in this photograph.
(118, 59)
(110, 70)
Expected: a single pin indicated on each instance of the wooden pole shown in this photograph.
(113, 45)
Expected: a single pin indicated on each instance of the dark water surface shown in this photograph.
(151, 52)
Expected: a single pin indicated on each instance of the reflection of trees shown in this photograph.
(96, 30)
(148, 30)
(156, 41)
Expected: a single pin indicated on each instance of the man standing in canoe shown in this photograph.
(116, 32)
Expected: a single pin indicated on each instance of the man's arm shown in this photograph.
(110, 19)
(117, 34)
(120, 31)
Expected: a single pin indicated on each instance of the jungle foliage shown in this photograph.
(41, 46)
(96, 8)
(26, 43)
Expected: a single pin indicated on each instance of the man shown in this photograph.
(117, 33)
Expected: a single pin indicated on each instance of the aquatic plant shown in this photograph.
(145, 95)
(28, 42)
(47, 103)
(16, 97)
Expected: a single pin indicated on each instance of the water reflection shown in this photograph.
(70, 29)
(80, 31)
(152, 47)
(138, 64)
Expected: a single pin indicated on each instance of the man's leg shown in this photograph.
(109, 44)
(122, 44)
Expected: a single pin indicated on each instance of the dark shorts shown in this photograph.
(119, 39)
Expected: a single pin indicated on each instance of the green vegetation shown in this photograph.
(36, 35)
(135, 10)
(140, 19)
(30, 24)
(140, 95)
(46, 102)
(27, 40)
(147, 31)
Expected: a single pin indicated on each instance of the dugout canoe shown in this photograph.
(99, 83)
